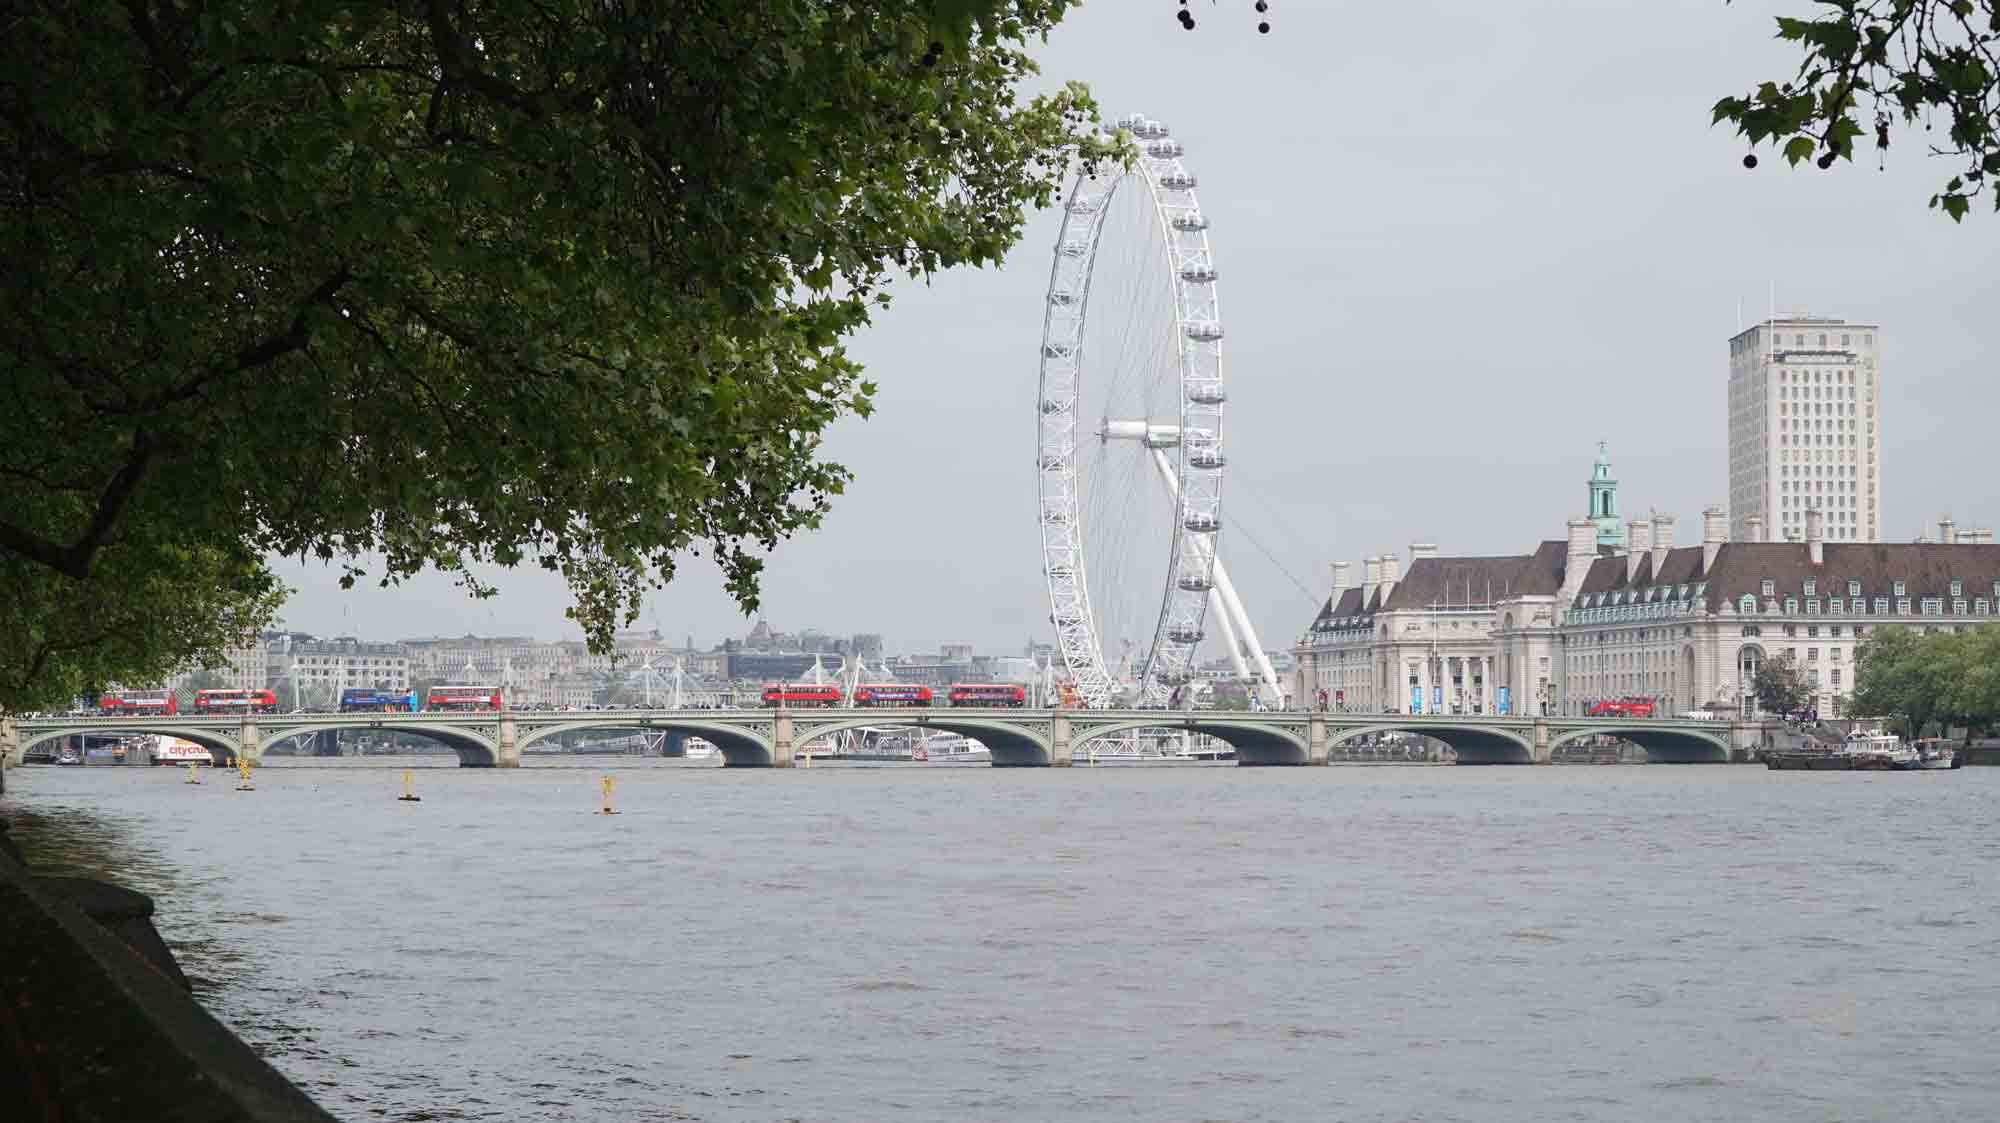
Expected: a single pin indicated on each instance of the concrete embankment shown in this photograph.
(96, 1021)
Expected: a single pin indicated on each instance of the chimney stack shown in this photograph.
(1714, 532)
(1638, 542)
(1815, 536)
(1340, 585)
(1947, 531)
(1755, 527)
(1582, 551)
(1371, 579)
(1663, 540)
(1392, 571)
(1420, 551)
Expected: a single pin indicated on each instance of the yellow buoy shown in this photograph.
(409, 796)
(607, 797)
(243, 771)
(193, 776)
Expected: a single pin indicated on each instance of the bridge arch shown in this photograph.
(1013, 743)
(1262, 742)
(1662, 745)
(741, 746)
(474, 749)
(1474, 744)
(221, 746)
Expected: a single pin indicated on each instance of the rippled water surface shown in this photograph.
(1133, 943)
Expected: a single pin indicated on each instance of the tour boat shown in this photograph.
(1936, 755)
(69, 756)
(176, 750)
(694, 748)
(950, 748)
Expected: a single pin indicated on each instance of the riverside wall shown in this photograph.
(97, 1022)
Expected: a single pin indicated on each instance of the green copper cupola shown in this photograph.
(1604, 502)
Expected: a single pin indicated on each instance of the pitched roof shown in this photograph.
(1926, 570)
(1458, 582)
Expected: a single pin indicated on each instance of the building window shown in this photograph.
(1933, 606)
(1899, 588)
(1747, 605)
(1836, 606)
(1881, 606)
(1979, 607)
(1791, 606)
(1958, 606)
(1812, 608)
(1812, 587)
(1752, 630)
(1770, 586)
(1812, 654)
(1902, 606)
(1957, 589)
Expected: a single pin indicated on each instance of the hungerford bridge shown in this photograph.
(1018, 738)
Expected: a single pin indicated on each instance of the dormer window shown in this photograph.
(1770, 586)
(1899, 589)
(1957, 589)
(1791, 606)
(1812, 587)
(1854, 588)
(1748, 604)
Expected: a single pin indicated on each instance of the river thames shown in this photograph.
(1129, 943)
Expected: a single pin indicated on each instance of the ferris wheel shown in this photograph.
(1129, 451)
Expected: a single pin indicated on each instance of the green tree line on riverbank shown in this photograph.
(1926, 680)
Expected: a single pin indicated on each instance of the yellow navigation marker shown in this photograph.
(243, 771)
(409, 796)
(607, 797)
(193, 777)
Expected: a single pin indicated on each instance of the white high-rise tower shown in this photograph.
(1805, 428)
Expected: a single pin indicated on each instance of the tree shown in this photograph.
(1895, 677)
(1780, 686)
(1871, 66)
(204, 679)
(431, 284)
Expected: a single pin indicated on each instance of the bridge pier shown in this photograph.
(1316, 739)
(508, 755)
(248, 746)
(1540, 750)
(782, 746)
(1061, 753)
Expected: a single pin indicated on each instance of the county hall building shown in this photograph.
(1616, 610)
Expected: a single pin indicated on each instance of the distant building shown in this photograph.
(1805, 421)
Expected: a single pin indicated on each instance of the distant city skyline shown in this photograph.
(1437, 304)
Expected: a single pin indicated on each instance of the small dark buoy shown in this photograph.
(1264, 28)
(1750, 161)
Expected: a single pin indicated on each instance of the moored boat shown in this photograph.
(1861, 752)
(176, 750)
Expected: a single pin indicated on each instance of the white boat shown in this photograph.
(176, 750)
(951, 748)
(1936, 755)
(694, 748)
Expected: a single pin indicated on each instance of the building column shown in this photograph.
(1488, 693)
(1423, 684)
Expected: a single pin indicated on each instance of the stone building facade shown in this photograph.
(1578, 621)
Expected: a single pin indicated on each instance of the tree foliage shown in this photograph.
(1871, 67)
(442, 282)
(1781, 687)
(1951, 678)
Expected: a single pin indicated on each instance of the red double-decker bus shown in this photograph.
(463, 699)
(235, 702)
(892, 694)
(137, 703)
(786, 695)
(988, 694)
(1623, 707)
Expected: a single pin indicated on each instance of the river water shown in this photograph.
(1121, 943)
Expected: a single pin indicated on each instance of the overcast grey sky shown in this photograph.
(1460, 243)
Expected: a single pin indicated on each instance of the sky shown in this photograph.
(1459, 245)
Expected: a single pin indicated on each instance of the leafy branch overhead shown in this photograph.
(1872, 68)
(457, 281)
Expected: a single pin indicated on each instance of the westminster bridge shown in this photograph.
(762, 738)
